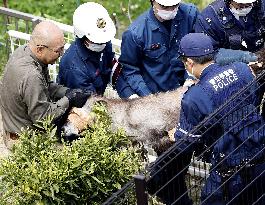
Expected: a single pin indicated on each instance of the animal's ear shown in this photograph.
(162, 145)
(261, 55)
(259, 66)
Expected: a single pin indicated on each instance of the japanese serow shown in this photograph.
(146, 119)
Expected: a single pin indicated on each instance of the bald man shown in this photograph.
(27, 94)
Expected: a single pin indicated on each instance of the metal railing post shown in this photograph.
(140, 190)
(35, 21)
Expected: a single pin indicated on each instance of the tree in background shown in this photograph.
(5, 3)
(122, 12)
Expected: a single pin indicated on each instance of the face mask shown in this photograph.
(167, 15)
(191, 74)
(95, 47)
(240, 12)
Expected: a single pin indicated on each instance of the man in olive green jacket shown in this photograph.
(27, 94)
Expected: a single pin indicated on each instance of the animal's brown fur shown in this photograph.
(146, 119)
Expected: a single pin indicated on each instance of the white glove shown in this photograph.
(189, 82)
(134, 96)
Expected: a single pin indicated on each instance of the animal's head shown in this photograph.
(259, 65)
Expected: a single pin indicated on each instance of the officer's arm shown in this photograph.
(183, 138)
(179, 70)
(56, 91)
(227, 56)
(131, 59)
(195, 106)
(208, 23)
(76, 78)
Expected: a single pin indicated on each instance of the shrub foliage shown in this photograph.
(42, 171)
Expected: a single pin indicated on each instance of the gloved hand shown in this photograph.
(78, 97)
(134, 96)
(189, 82)
(227, 56)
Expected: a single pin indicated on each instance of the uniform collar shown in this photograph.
(207, 69)
(84, 52)
(156, 24)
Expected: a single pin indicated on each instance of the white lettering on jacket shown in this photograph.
(223, 79)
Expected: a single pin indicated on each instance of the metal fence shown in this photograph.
(236, 177)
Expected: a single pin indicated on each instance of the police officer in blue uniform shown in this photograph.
(149, 47)
(88, 61)
(216, 85)
(235, 24)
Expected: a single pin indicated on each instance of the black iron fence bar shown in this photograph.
(221, 108)
(199, 127)
(232, 151)
(223, 160)
(161, 188)
(173, 148)
(244, 141)
(258, 200)
(119, 193)
(140, 190)
(245, 117)
(243, 166)
(202, 125)
(253, 181)
(234, 126)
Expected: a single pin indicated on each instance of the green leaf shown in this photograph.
(89, 169)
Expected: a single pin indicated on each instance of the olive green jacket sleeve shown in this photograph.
(37, 95)
(56, 91)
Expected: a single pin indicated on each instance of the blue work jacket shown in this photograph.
(218, 22)
(149, 52)
(218, 84)
(83, 68)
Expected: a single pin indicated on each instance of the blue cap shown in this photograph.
(195, 45)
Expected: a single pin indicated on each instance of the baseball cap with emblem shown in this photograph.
(196, 45)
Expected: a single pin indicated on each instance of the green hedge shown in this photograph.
(41, 171)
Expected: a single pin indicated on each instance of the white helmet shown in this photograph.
(93, 21)
(244, 1)
(168, 2)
